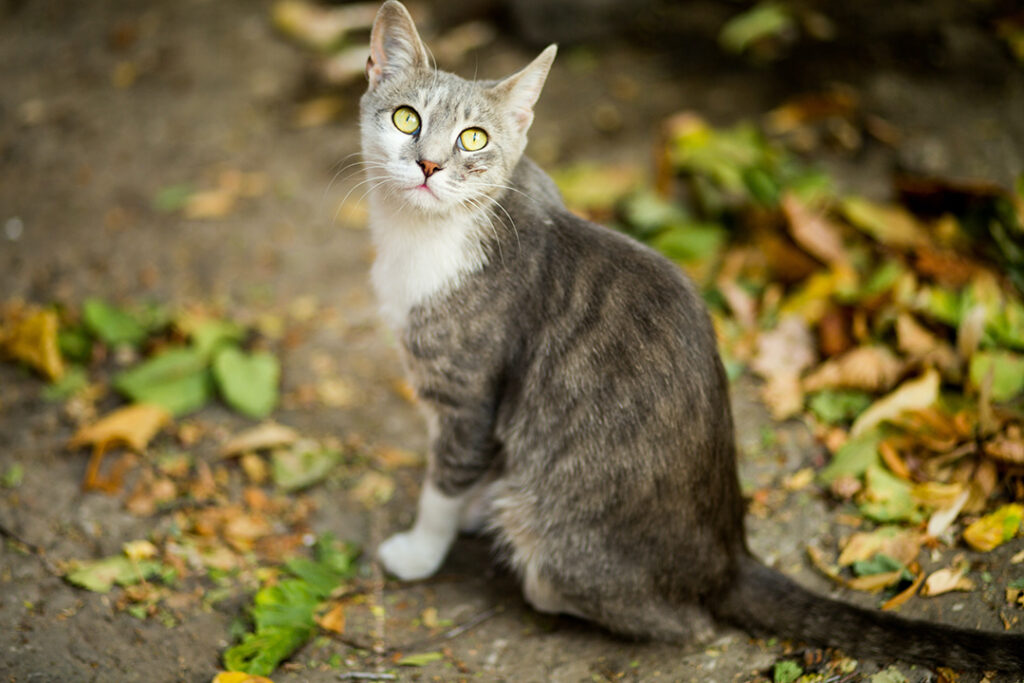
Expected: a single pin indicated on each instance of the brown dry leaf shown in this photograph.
(948, 579)
(783, 396)
(871, 368)
(892, 459)
(261, 437)
(834, 332)
(914, 394)
(374, 488)
(922, 346)
(333, 620)
(243, 530)
(872, 583)
(1007, 447)
(33, 341)
(907, 593)
(134, 426)
(819, 236)
(149, 493)
(898, 543)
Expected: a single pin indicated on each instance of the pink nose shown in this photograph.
(429, 168)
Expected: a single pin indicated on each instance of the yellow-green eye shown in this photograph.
(406, 120)
(472, 139)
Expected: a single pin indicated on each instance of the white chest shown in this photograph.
(418, 259)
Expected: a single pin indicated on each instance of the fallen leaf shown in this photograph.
(901, 544)
(1007, 447)
(255, 468)
(853, 458)
(177, 379)
(946, 580)
(819, 236)
(868, 368)
(1006, 369)
(914, 394)
(782, 354)
(996, 528)
(891, 225)
(33, 341)
(887, 498)
(139, 550)
(99, 576)
(800, 479)
(835, 406)
(321, 27)
(373, 488)
(944, 517)
(112, 324)
(303, 465)
(890, 675)
(134, 426)
(248, 382)
(872, 583)
(333, 620)
(239, 677)
(904, 595)
(261, 437)
(390, 458)
(421, 659)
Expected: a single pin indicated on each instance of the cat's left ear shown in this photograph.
(522, 89)
(395, 45)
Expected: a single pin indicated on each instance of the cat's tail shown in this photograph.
(762, 600)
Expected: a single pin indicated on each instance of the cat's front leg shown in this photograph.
(419, 552)
(462, 453)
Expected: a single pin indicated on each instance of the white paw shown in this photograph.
(411, 556)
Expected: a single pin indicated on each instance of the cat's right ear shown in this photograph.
(395, 45)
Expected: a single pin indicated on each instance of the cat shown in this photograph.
(576, 404)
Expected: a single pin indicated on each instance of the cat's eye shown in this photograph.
(406, 120)
(472, 139)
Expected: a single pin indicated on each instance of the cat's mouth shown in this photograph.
(423, 187)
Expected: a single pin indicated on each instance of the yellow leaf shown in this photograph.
(139, 550)
(239, 677)
(210, 203)
(333, 620)
(995, 529)
(33, 340)
(872, 583)
(899, 544)
(134, 426)
(373, 489)
(915, 394)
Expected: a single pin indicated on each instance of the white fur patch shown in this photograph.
(419, 552)
(419, 256)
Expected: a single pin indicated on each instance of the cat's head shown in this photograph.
(434, 142)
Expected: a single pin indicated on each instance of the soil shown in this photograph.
(106, 103)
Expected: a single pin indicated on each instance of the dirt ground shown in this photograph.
(212, 87)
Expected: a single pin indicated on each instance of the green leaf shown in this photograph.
(172, 198)
(1006, 368)
(75, 344)
(834, 406)
(111, 324)
(177, 379)
(887, 498)
(208, 336)
(303, 465)
(259, 653)
(319, 577)
(854, 457)
(421, 659)
(879, 564)
(339, 557)
(786, 671)
(764, 20)
(691, 242)
(288, 603)
(647, 213)
(248, 382)
(100, 576)
(13, 476)
(890, 675)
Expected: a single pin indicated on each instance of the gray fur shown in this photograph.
(573, 384)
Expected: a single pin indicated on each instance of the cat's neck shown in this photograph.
(420, 256)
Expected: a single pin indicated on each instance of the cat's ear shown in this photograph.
(395, 46)
(522, 89)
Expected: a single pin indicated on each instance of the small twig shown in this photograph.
(366, 676)
(451, 633)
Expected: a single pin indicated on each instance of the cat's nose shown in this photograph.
(429, 167)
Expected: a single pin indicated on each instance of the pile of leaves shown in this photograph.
(896, 330)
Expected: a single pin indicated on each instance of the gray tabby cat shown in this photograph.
(576, 404)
